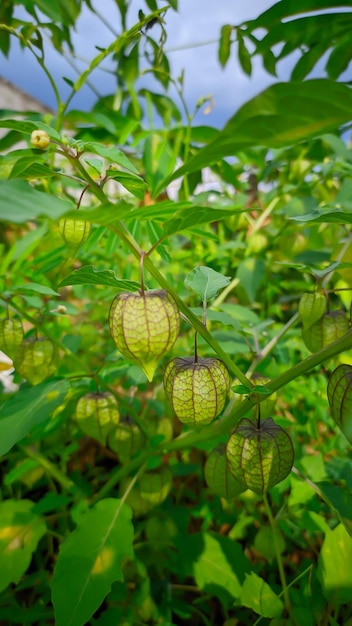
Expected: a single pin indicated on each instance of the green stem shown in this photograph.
(65, 482)
(280, 564)
(121, 473)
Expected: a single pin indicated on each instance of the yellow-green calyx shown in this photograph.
(35, 360)
(197, 390)
(340, 398)
(74, 232)
(260, 456)
(327, 329)
(11, 336)
(97, 414)
(144, 327)
(311, 308)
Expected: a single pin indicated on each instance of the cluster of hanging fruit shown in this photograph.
(258, 455)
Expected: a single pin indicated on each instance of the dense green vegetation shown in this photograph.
(176, 436)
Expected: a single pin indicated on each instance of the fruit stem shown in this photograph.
(141, 272)
(195, 347)
(274, 530)
(258, 412)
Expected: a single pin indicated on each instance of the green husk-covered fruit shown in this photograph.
(218, 475)
(144, 327)
(339, 393)
(197, 390)
(155, 486)
(11, 336)
(311, 308)
(260, 457)
(97, 414)
(74, 232)
(126, 439)
(35, 360)
(326, 330)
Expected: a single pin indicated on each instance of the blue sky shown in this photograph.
(196, 22)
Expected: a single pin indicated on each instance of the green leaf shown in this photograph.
(335, 566)
(225, 44)
(29, 203)
(35, 288)
(283, 114)
(28, 127)
(88, 275)
(338, 500)
(112, 154)
(328, 215)
(250, 273)
(243, 54)
(206, 282)
(20, 532)
(26, 409)
(196, 215)
(258, 596)
(220, 563)
(90, 560)
(134, 184)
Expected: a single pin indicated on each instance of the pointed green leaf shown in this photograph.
(335, 566)
(225, 44)
(90, 560)
(283, 114)
(88, 275)
(206, 282)
(20, 532)
(29, 407)
(258, 596)
(30, 203)
(134, 184)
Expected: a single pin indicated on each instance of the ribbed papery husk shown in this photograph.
(326, 330)
(144, 327)
(262, 457)
(74, 232)
(125, 439)
(339, 393)
(218, 475)
(97, 414)
(11, 336)
(35, 360)
(155, 486)
(196, 390)
(311, 308)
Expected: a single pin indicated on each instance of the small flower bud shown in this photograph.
(40, 139)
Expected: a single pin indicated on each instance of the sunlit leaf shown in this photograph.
(90, 560)
(258, 596)
(88, 275)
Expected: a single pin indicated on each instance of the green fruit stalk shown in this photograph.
(197, 390)
(261, 457)
(97, 414)
(144, 327)
(339, 393)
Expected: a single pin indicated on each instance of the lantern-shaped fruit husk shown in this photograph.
(144, 327)
(260, 457)
(311, 308)
(197, 390)
(326, 330)
(97, 414)
(340, 398)
(126, 439)
(11, 336)
(218, 475)
(155, 486)
(74, 232)
(35, 360)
